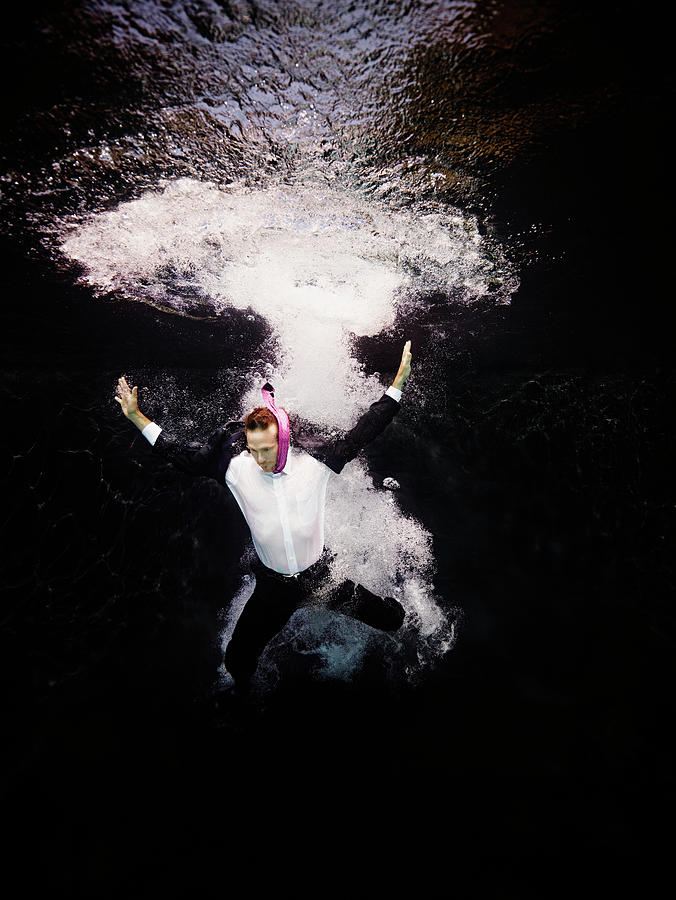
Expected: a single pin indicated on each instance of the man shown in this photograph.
(281, 491)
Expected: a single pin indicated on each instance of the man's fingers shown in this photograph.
(123, 386)
(118, 400)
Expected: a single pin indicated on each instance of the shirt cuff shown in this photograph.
(150, 432)
(394, 393)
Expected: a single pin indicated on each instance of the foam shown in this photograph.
(321, 267)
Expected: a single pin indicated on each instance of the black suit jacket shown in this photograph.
(213, 458)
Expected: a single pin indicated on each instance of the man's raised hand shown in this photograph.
(128, 399)
(404, 367)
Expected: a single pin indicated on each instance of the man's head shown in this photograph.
(261, 437)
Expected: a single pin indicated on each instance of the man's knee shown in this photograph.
(385, 613)
(356, 601)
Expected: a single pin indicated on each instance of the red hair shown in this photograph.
(259, 418)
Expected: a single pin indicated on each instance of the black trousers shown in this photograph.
(276, 598)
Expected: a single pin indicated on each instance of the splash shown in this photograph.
(321, 267)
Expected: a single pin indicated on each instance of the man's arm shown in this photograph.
(374, 421)
(210, 459)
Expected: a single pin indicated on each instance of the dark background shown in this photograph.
(538, 751)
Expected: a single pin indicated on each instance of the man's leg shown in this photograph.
(358, 602)
(265, 614)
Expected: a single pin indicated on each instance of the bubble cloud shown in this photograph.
(321, 267)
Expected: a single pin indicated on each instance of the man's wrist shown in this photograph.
(139, 420)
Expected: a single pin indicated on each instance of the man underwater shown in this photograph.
(281, 490)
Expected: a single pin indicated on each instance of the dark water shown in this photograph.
(535, 446)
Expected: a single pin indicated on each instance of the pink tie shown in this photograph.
(283, 430)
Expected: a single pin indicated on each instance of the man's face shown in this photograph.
(263, 446)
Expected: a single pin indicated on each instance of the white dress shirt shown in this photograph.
(284, 511)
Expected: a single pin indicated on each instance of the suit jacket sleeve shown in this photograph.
(210, 459)
(338, 452)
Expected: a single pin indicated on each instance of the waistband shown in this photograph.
(315, 569)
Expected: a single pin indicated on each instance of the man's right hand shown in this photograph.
(404, 367)
(128, 399)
